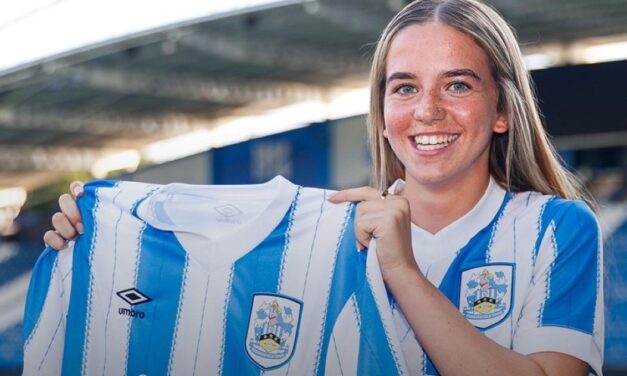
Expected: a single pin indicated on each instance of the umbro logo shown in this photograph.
(133, 296)
(228, 210)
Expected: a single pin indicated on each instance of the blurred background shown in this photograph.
(236, 92)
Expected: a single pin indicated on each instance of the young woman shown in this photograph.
(492, 260)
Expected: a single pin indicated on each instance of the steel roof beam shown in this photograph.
(269, 53)
(186, 87)
(13, 118)
(38, 158)
(348, 17)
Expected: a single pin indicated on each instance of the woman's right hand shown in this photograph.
(67, 223)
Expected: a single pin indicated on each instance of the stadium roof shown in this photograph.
(111, 91)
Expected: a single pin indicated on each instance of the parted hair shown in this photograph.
(521, 159)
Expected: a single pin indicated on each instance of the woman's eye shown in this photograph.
(459, 87)
(405, 89)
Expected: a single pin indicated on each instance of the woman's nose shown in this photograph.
(428, 109)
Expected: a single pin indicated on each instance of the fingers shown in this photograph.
(54, 240)
(364, 232)
(63, 227)
(379, 218)
(67, 223)
(69, 209)
(355, 194)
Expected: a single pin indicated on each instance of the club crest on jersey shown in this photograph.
(272, 329)
(486, 294)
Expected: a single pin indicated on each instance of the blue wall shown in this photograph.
(300, 155)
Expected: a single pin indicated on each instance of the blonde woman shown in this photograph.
(492, 258)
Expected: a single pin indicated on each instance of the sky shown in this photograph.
(32, 30)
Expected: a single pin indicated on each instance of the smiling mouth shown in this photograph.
(434, 142)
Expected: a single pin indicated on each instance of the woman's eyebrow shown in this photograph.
(447, 74)
(461, 72)
(400, 76)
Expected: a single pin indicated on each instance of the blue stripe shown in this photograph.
(160, 277)
(38, 290)
(376, 356)
(81, 277)
(349, 273)
(256, 272)
(473, 254)
(574, 274)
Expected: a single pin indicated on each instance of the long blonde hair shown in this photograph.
(521, 159)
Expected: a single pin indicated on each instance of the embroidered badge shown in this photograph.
(486, 294)
(272, 329)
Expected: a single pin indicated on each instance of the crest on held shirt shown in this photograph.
(273, 327)
(486, 294)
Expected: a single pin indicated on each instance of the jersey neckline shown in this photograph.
(464, 227)
(210, 251)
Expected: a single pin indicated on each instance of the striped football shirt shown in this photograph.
(210, 280)
(525, 269)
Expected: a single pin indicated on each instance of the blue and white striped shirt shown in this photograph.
(184, 280)
(526, 269)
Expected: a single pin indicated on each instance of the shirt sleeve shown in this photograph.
(563, 311)
(45, 312)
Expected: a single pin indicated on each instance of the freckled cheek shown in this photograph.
(397, 118)
(471, 115)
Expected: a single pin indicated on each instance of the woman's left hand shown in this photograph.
(388, 219)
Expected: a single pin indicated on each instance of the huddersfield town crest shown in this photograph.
(486, 294)
(272, 329)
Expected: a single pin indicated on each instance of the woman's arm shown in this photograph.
(453, 344)
(67, 223)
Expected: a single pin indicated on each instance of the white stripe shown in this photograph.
(526, 213)
(537, 294)
(296, 267)
(318, 267)
(297, 255)
(118, 234)
(207, 356)
(343, 353)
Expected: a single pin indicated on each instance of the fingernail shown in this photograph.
(80, 228)
(77, 190)
(331, 196)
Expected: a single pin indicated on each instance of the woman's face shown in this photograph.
(440, 106)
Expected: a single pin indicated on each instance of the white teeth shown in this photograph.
(433, 142)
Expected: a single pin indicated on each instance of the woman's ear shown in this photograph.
(385, 132)
(502, 123)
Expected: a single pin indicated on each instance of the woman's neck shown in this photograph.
(433, 208)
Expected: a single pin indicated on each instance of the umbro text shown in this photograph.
(131, 313)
